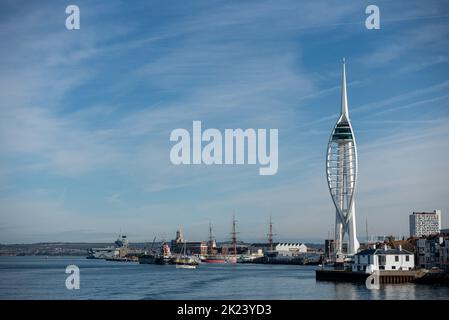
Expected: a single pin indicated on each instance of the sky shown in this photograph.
(86, 116)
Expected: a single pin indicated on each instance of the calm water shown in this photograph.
(40, 278)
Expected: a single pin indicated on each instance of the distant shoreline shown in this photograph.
(80, 248)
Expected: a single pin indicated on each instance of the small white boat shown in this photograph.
(185, 262)
(185, 266)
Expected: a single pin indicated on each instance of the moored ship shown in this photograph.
(214, 259)
(162, 257)
(185, 261)
(120, 246)
(149, 258)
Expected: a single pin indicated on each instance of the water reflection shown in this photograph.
(39, 278)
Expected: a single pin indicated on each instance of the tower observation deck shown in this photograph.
(341, 170)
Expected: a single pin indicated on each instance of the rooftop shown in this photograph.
(427, 212)
(383, 252)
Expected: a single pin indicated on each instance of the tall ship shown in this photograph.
(212, 256)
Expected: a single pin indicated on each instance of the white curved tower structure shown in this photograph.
(341, 168)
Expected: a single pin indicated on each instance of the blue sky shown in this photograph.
(85, 115)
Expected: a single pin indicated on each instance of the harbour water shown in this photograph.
(44, 278)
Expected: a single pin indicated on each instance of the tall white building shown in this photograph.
(341, 169)
(425, 223)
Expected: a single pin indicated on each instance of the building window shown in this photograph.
(396, 258)
(407, 258)
(393, 267)
(382, 268)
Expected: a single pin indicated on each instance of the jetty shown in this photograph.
(385, 277)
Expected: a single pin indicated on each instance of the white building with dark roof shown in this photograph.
(384, 259)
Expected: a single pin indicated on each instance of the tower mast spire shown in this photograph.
(344, 96)
(270, 234)
(234, 234)
(341, 166)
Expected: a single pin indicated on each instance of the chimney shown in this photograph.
(400, 247)
(385, 247)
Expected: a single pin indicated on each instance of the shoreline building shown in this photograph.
(290, 249)
(384, 259)
(192, 247)
(433, 251)
(341, 170)
(425, 223)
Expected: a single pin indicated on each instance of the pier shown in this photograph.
(385, 277)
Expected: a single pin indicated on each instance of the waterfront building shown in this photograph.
(385, 259)
(425, 223)
(290, 249)
(444, 255)
(341, 170)
(432, 252)
(191, 247)
(289, 253)
(329, 248)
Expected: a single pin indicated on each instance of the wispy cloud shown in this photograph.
(85, 116)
